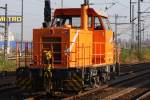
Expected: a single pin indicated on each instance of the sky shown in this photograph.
(34, 9)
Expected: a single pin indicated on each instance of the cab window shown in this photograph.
(97, 24)
(74, 21)
(106, 23)
(89, 22)
(59, 21)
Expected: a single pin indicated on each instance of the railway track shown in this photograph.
(144, 96)
(128, 90)
(8, 89)
(131, 68)
(131, 73)
(123, 83)
(7, 81)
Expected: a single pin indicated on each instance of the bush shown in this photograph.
(132, 56)
(123, 55)
(6, 65)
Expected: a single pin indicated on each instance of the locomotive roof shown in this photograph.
(77, 12)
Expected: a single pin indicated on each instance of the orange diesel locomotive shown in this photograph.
(72, 53)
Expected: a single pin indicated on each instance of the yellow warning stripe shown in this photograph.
(25, 84)
(72, 85)
(28, 85)
(21, 82)
(75, 84)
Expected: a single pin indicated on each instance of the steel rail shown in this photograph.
(147, 94)
(126, 91)
(119, 80)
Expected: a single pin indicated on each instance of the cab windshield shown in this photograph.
(74, 21)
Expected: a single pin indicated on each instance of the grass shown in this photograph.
(6, 65)
(146, 54)
(131, 56)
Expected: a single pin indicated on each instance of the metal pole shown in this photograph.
(116, 17)
(22, 27)
(143, 32)
(147, 36)
(116, 43)
(132, 39)
(139, 30)
(130, 10)
(17, 55)
(6, 33)
(26, 53)
(61, 3)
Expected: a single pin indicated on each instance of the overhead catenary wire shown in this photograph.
(120, 4)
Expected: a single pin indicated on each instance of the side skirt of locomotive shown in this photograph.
(63, 80)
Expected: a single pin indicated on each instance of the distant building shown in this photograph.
(11, 42)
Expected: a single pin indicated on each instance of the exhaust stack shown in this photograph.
(84, 15)
(47, 14)
(86, 2)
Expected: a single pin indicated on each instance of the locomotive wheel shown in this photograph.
(113, 72)
(98, 82)
(104, 78)
(95, 82)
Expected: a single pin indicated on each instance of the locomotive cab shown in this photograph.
(68, 32)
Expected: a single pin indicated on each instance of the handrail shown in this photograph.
(81, 54)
